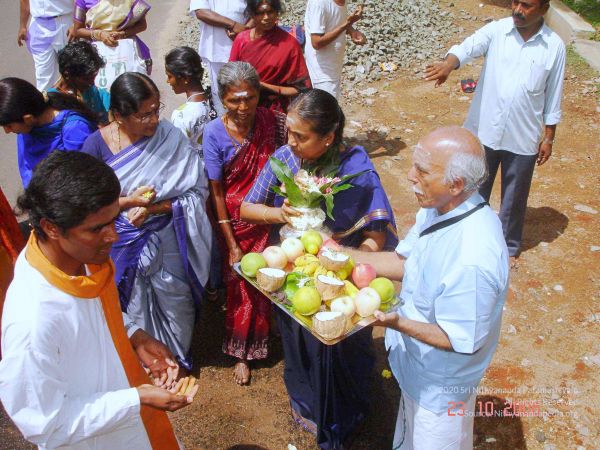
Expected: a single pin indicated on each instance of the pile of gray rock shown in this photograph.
(400, 34)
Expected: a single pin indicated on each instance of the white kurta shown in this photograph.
(520, 86)
(457, 278)
(61, 379)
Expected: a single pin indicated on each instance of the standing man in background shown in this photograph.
(326, 24)
(517, 103)
(222, 21)
(46, 35)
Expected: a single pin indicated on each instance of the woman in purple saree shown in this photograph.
(328, 385)
(163, 255)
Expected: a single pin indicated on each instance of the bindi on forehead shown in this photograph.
(264, 7)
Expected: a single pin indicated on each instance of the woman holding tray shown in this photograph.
(327, 385)
(236, 147)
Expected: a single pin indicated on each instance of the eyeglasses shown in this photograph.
(146, 117)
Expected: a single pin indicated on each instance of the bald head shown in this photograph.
(452, 140)
(460, 153)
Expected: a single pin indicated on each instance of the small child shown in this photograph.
(184, 72)
(183, 67)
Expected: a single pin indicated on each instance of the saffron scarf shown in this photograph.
(100, 283)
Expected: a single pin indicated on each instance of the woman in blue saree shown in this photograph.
(42, 122)
(327, 385)
(163, 255)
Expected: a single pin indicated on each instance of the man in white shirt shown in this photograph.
(326, 23)
(517, 103)
(46, 35)
(453, 264)
(70, 373)
(221, 21)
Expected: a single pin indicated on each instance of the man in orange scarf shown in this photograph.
(71, 373)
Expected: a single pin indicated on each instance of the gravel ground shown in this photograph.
(400, 34)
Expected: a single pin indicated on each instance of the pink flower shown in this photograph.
(328, 190)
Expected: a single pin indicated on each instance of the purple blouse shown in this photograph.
(94, 145)
(218, 148)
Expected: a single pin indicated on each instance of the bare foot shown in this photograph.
(241, 372)
(513, 262)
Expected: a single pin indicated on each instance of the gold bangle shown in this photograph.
(224, 221)
(265, 211)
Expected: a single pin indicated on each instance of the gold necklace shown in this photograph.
(231, 138)
(117, 141)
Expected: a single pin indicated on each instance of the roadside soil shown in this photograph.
(550, 323)
(546, 367)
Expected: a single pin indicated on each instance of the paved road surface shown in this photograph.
(15, 61)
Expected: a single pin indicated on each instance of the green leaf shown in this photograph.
(349, 177)
(340, 188)
(313, 199)
(278, 191)
(291, 283)
(284, 175)
(329, 205)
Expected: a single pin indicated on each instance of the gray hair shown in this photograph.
(235, 73)
(472, 169)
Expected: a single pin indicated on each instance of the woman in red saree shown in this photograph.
(236, 147)
(274, 53)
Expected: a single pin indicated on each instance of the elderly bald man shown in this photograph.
(453, 264)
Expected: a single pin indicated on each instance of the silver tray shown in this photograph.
(278, 298)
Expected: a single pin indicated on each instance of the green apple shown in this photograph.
(312, 241)
(306, 300)
(251, 262)
(384, 287)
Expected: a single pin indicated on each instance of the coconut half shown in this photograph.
(329, 287)
(329, 324)
(332, 260)
(270, 279)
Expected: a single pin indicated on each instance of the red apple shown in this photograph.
(363, 274)
(330, 244)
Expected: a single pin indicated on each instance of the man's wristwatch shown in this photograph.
(548, 141)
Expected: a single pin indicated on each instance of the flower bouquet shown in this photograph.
(306, 191)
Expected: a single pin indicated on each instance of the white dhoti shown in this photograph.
(213, 71)
(46, 36)
(420, 429)
(331, 86)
